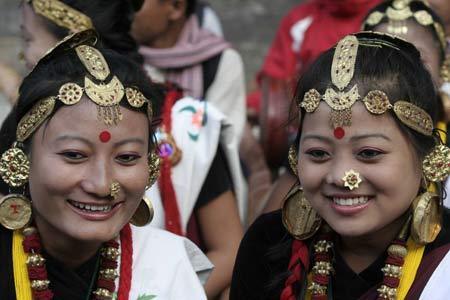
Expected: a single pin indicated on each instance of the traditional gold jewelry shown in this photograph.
(299, 218)
(426, 221)
(398, 13)
(14, 166)
(114, 190)
(351, 179)
(293, 159)
(154, 162)
(62, 15)
(436, 165)
(445, 69)
(376, 101)
(144, 213)
(34, 118)
(15, 211)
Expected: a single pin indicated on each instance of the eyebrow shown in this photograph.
(352, 139)
(88, 142)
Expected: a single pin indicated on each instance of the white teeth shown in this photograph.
(350, 201)
(102, 208)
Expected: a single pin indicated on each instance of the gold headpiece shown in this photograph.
(436, 166)
(62, 15)
(399, 12)
(14, 165)
(376, 102)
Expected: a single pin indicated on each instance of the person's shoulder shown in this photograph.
(231, 55)
(267, 229)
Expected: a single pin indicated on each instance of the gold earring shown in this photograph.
(293, 159)
(14, 166)
(15, 211)
(426, 220)
(153, 169)
(351, 179)
(114, 190)
(144, 213)
(436, 165)
(299, 218)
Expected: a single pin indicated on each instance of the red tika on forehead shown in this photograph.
(339, 133)
(104, 136)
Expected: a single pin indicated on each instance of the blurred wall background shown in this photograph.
(249, 24)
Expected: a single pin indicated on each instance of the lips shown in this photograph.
(94, 211)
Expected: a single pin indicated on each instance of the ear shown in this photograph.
(178, 9)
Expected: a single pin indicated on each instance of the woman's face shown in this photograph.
(373, 146)
(423, 39)
(37, 40)
(73, 165)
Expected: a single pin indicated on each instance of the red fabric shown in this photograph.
(331, 20)
(169, 200)
(126, 262)
(299, 258)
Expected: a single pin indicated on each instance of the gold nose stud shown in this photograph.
(114, 190)
(351, 179)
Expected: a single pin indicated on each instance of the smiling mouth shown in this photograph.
(350, 201)
(91, 207)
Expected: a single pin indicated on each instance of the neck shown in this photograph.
(360, 252)
(71, 252)
(169, 38)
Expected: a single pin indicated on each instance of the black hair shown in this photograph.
(190, 7)
(415, 6)
(112, 20)
(50, 74)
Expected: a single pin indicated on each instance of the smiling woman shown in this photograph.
(81, 149)
(366, 222)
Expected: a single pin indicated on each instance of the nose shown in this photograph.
(98, 178)
(337, 174)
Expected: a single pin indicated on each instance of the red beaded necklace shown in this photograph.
(37, 272)
(322, 267)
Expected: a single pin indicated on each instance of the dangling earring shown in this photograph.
(293, 159)
(144, 213)
(299, 218)
(153, 168)
(15, 209)
(426, 218)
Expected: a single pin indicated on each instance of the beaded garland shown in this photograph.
(106, 286)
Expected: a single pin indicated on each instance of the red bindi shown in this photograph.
(339, 133)
(104, 136)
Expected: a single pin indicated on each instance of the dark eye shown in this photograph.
(127, 158)
(368, 154)
(73, 156)
(318, 155)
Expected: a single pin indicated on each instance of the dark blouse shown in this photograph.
(65, 283)
(262, 262)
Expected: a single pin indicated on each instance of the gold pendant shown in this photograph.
(15, 211)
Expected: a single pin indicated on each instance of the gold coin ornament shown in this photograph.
(15, 211)
(14, 167)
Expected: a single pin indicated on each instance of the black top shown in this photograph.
(217, 182)
(262, 263)
(65, 283)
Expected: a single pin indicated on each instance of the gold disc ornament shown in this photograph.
(15, 211)
(144, 213)
(299, 218)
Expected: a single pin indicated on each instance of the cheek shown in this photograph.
(134, 179)
(311, 174)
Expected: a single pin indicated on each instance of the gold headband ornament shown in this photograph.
(436, 166)
(62, 15)
(399, 12)
(14, 164)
